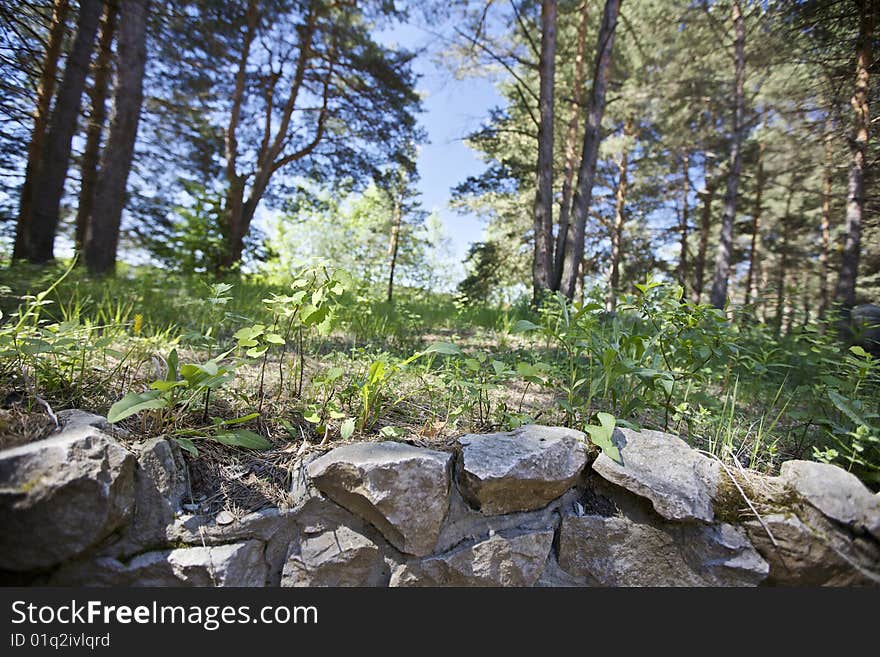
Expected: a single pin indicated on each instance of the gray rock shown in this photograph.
(520, 470)
(236, 564)
(679, 481)
(813, 552)
(70, 419)
(160, 485)
(341, 556)
(508, 559)
(402, 490)
(466, 525)
(864, 327)
(838, 494)
(622, 551)
(61, 496)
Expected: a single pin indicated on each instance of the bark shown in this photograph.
(571, 138)
(574, 250)
(95, 130)
(825, 253)
(617, 226)
(725, 243)
(756, 226)
(394, 245)
(683, 225)
(542, 264)
(858, 144)
(708, 195)
(37, 236)
(45, 90)
(102, 235)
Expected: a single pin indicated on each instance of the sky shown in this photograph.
(453, 108)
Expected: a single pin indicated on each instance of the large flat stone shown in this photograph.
(621, 551)
(838, 494)
(679, 481)
(520, 470)
(402, 490)
(507, 559)
(235, 564)
(61, 496)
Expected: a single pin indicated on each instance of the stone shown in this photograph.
(464, 524)
(274, 527)
(813, 552)
(224, 518)
(402, 490)
(341, 556)
(520, 470)
(234, 564)
(62, 496)
(622, 551)
(74, 418)
(838, 494)
(507, 559)
(864, 327)
(160, 485)
(679, 481)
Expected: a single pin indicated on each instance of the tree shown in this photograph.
(35, 232)
(574, 243)
(102, 234)
(286, 89)
(45, 92)
(718, 295)
(858, 143)
(542, 267)
(95, 130)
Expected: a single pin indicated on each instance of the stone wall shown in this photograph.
(532, 507)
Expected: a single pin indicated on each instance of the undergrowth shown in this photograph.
(253, 363)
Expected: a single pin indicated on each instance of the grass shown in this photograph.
(222, 370)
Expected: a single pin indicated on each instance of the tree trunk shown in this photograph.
(708, 195)
(756, 227)
(98, 95)
(393, 245)
(858, 144)
(683, 224)
(574, 251)
(571, 138)
(45, 90)
(102, 236)
(783, 262)
(725, 244)
(38, 235)
(617, 226)
(542, 265)
(825, 253)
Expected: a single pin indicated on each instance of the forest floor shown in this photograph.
(247, 387)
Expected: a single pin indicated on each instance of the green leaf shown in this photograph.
(858, 351)
(273, 338)
(242, 438)
(256, 352)
(347, 429)
(847, 407)
(187, 445)
(445, 348)
(135, 402)
(601, 436)
(523, 325)
(238, 420)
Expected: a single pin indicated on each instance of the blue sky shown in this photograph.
(453, 108)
